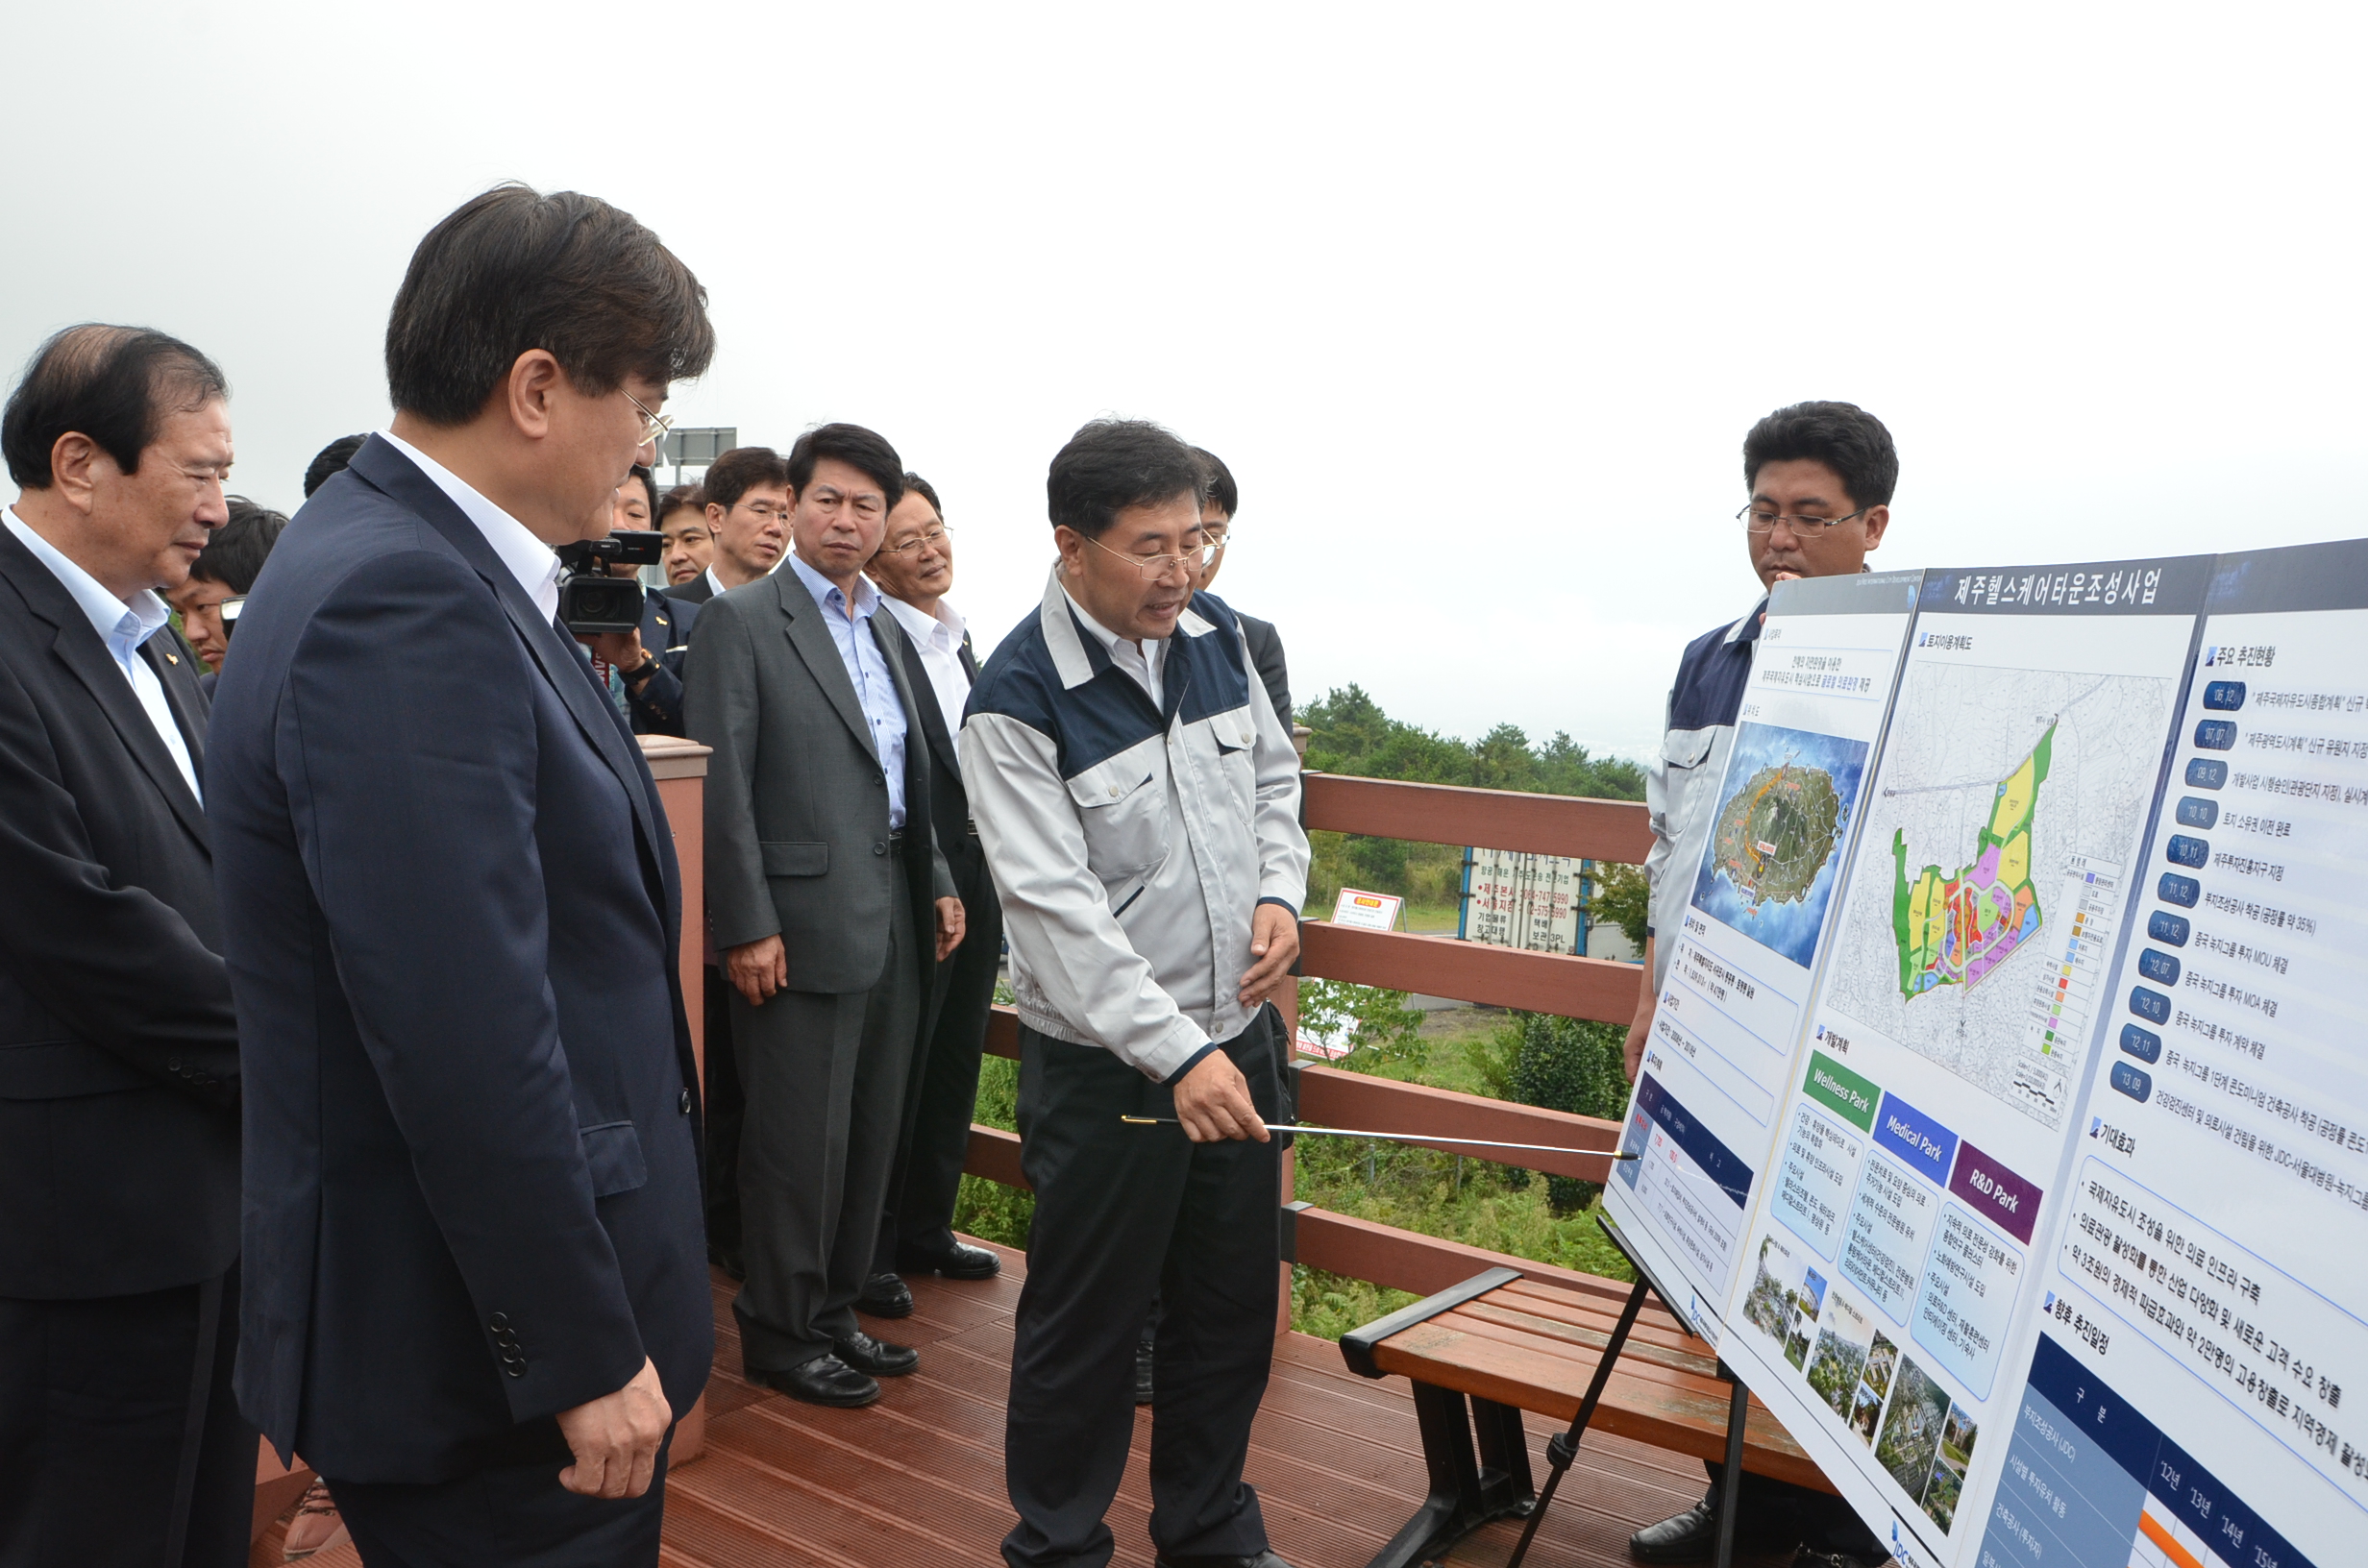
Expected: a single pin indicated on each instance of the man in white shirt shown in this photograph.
(914, 569)
(120, 1441)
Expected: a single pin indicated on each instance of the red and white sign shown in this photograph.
(1372, 911)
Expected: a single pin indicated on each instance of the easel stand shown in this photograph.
(1563, 1446)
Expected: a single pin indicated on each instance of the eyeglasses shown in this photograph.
(918, 540)
(1759, 521)
(653, 426)
(1155, 567)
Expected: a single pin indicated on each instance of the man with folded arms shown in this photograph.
(1138, 799)
(478, 1299)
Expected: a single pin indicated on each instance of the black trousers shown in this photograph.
(1124, 1213)
(917, 1223)
(824, 1076)
(516, 1515)
(724, 1105)
(1784, 1516)
(119, 1436)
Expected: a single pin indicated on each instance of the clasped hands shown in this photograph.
(758, 969)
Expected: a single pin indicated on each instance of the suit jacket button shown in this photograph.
(172, 1064)
(501, 1322)
(685, 1103)
(880, 847)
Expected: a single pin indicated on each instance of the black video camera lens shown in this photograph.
(590, 603)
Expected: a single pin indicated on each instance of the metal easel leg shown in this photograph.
(1731, 1480)
(1563, 1446)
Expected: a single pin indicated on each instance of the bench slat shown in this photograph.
(1639, 1407)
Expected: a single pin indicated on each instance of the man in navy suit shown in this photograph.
(477, 1295)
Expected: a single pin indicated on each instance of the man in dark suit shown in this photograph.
(478, 1299)
(748, 515)
(914, 569)
(119, 1439)
(1265, 643)
(831, 906)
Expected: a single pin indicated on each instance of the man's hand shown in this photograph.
(615, 1438)
(1274, 943)
(1213, 1102)
(1632, 1055)
(950, 927)
(758, 969)
(622, 649)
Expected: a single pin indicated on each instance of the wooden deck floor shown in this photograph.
(917, 1479)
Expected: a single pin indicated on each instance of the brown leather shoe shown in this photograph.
(316, 1527)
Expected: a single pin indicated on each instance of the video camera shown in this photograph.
(590, 600)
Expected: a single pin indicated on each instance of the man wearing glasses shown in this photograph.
(1138, 800)
(1821, 476)
(914, 569)
(747, 514)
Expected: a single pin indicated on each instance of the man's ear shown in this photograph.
(73, 460)
(1877, 519)
(532, 387)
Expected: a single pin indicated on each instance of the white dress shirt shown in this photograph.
(530, 560)
(715, 584)
(1142, 660)
(938, 639)
(123, 626)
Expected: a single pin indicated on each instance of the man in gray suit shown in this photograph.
(831, 905)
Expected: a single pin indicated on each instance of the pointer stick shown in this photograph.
(1401, 1138)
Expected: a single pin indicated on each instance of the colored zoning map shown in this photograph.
(1776, 832)
(1954, 929)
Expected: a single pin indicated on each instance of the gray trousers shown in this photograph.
(823, 1078)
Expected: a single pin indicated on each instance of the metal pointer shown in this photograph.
(1397, 1137)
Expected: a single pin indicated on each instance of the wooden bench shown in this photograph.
(1484, 1351)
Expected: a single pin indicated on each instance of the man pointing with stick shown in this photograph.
(1138, 800)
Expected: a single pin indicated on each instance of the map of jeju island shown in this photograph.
(1777, 831)
(1775, 844)
(1955, 929)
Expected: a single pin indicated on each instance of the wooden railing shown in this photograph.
(1578, 988)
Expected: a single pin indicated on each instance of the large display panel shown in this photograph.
(2199, 1395)
(1740, 971)
(1885, 1300)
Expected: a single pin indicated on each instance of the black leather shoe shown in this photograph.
(825, 1380)
(884, 1295)
(960, 1262)
(878, 1357)
(1692, 1537)
(1143, 1372)
(1256, 1560)
(728, 1258)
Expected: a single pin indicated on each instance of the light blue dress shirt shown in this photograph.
(876, 689)
(123, 627)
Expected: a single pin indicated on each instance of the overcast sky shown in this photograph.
(1477, 302)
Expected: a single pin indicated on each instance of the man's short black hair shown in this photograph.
(1223, 494)
(1841, 435)
(234, 555)
(330, 461)
(649, 487)
(114, 384)
(865, 450)
(513, 270)
(680, 496)
(1112, 464)
(735, 473)
(916, 485)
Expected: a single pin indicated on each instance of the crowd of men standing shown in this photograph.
(346, 1081)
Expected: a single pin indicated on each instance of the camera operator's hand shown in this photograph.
(622, 649)
(758, 969)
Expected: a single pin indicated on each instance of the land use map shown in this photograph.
(1995, 784)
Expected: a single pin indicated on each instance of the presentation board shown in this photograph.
(2195, 1396)
(1739, 974)
(2043, 1226)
